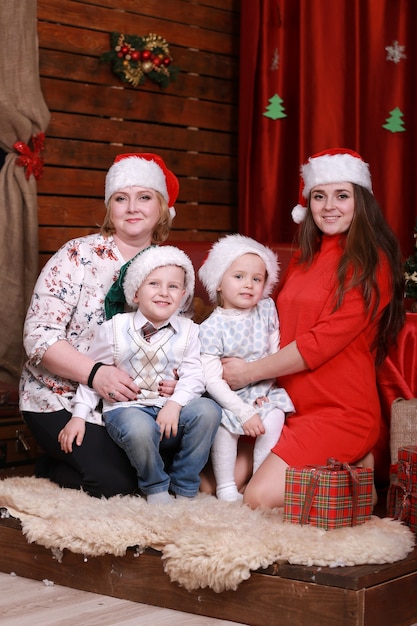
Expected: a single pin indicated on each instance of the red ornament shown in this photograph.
(145, 55)
(135, 55)
(147, 66)
(157, 61)
(167, 61)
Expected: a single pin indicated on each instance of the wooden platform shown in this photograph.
(284, 595)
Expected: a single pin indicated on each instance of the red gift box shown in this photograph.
(330, 496)
(402, 493)
(407, 467)
(402, 505)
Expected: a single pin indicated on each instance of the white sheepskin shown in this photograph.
(204, 542)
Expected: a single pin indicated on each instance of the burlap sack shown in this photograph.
(403, 426)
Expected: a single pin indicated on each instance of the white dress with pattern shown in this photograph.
(250, 335)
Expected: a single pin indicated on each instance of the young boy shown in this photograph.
(167, 440)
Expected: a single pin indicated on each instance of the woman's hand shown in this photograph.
(238, 373)
(114, 384)
(235, 372)
(64, 360)
(167, 387)
(73, 430)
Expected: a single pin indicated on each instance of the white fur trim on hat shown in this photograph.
(298, 213)
(338, 165)
(149, 260)
(225, 251)
(136, 171)
(336, 168)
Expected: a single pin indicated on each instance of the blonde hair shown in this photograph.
(162, 227)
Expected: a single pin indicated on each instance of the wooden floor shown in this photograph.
(25, 602)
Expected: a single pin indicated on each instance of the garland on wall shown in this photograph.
(135, 58)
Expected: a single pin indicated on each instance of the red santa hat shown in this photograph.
(144, 170)
(339, 165)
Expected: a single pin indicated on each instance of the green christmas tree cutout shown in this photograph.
(395, 123)
(275, 110)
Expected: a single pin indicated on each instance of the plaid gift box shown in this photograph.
(407, 467)
(402, 505)
(402, 493)
(330, 496)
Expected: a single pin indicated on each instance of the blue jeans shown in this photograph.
(173, 463)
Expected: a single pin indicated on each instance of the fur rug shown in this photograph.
(204, 542)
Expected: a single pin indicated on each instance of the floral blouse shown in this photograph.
(67, 304)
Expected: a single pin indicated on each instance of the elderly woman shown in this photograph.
(68, 305)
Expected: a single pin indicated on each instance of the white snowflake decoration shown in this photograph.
(275, 60)
(395, 52)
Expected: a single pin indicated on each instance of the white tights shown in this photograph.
(224, 453)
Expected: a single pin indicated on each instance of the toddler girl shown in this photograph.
(239, 276)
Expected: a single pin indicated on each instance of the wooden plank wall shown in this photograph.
(192, 123)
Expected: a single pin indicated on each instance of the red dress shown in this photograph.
(336, 400)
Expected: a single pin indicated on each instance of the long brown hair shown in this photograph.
(368, 236)
(161, 230)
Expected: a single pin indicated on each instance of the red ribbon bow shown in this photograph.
(403, 503)
(31, 160)
(332, 465)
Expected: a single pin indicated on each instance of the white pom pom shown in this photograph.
(298, 213)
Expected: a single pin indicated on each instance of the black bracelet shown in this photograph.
(93, 372)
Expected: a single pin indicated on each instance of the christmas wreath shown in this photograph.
(135, 58)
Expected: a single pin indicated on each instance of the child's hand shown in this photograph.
(168, 418)
(260, 401)
(254, 426)
(73, 430)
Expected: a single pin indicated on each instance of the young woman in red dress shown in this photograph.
(340, 304)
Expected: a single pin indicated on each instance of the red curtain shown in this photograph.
(317, 74)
